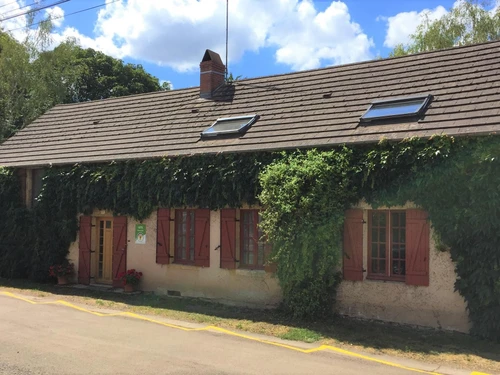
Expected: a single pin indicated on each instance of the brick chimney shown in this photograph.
(212, 74)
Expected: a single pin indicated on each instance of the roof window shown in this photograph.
(393, 108)
(229, 125)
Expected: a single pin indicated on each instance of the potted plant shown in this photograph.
(130, 279)
(62, 272)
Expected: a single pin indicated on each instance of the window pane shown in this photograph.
(398, 224)
(382, 234)
(381, 266)
(180, 234)
(374, 266)
(247, 223)
(396, 270)
(229, 125)
(374, 235)
(395, 251)
(382, 219)
(374, 250)
(108, 224)
(382, 251)
(395, 235)
(403, 107)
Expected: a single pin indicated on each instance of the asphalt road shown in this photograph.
(52, 339)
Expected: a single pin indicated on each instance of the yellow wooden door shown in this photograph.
(104, 258)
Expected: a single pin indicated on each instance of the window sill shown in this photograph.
(400, 279)
(256, 272)
(183, 266)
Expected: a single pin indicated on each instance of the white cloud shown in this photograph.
(17, 25)
(175, 33)
(307, 39)
(402, 25)
(56, 14)
(8, 9)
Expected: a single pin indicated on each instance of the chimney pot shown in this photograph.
(212, 74)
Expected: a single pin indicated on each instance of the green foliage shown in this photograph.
(32, 79)
(102, 76)
(134, 188)
(14, 219)
(305, 194)
(462, 196)
(469, 22)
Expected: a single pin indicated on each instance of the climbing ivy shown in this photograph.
(305, 194)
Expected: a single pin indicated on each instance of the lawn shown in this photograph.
(450, 348)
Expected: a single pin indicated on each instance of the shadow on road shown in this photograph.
(372, 334)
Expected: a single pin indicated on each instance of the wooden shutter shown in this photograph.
(84, 246)
(417, 248)
(119, 248)
(163, 236)
(353, 245)
(228, 238)
(202, 238)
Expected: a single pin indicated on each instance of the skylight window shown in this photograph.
(229, 125)
(393, 108)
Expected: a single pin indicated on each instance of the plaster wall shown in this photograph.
(437, 305)
(242, 287)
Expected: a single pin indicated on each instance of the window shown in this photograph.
(185, 236)
(243, 245)
(253, 245)
(229, 125)
(396, 247)
(387, 245)
(393, 108)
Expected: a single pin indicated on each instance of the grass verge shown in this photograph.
(453, 349)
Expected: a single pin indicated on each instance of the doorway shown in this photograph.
(104, 251)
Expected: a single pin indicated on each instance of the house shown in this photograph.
(213, 254)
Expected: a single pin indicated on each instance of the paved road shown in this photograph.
(52, 339)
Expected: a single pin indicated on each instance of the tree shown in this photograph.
(33, 79)
(101, 76)
(469, 22)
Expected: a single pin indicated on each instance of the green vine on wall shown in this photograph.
(305, 194)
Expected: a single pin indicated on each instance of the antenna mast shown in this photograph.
(227, 32)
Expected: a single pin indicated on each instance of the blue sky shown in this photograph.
(168, 37)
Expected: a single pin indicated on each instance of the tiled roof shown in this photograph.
(306, 109)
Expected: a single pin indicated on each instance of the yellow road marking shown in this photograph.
(231, 333)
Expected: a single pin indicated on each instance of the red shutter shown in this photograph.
(417, 248)
(163, 236)
(84, 246)
(228, 239)
(119, 248)
(202, 238)
(353, 245)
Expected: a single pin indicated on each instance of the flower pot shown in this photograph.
(62, 280)
(128, 288)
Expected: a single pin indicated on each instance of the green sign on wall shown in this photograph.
(140, 234)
